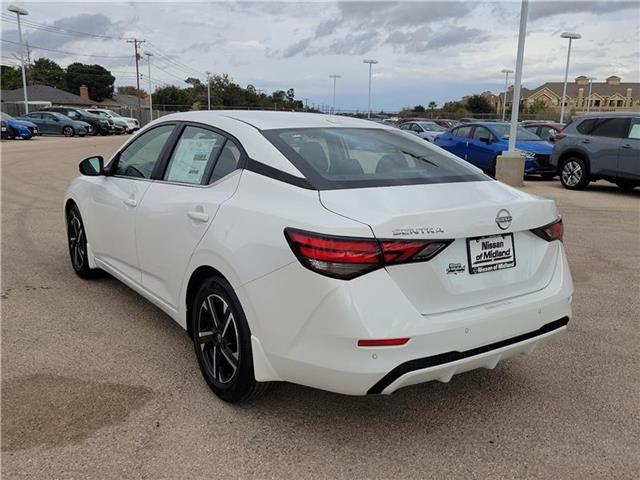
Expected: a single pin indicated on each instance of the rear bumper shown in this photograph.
(445, 365)
(308, 327)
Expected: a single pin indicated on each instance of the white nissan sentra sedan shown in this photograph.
(321, 250)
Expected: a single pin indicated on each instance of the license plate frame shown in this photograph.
(490, 265)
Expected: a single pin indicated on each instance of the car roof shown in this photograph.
(268, 120)
(606, 114)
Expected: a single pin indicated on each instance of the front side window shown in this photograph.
(140, 157)
(482, 133)
(334, 158)
(464, 132)
(503, 130)
(196, 149)
(611, 127)
(405, 126)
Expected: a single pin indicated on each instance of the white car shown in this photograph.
(129, 124)
(321, 250)
(427, 130)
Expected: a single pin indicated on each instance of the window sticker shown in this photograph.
(190, 159)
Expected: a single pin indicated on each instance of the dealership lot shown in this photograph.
(98, 382)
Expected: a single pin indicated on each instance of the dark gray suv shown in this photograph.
(599, 146)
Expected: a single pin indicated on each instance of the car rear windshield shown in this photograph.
(333, 158)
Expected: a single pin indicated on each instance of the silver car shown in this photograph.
(427, 130)
(599, 146)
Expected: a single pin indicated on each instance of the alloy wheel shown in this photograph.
(77, 241)
(218, 339)
(68, 131)
(572, 173)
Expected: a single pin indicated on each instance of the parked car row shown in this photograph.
(589, 148)
(67, 121)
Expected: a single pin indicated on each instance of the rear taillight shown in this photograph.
(553, 231)
(347, 257)
(559, 136)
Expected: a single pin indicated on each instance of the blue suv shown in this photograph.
(480, 143)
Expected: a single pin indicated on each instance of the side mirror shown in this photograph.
(92, 166)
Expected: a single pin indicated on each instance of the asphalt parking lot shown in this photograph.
(97, 382)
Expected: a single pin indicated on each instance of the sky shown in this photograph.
(427, 50)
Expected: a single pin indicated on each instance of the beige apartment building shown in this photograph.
(608, 96)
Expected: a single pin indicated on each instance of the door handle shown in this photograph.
(131, 202)
(586, 140)
(198, 216)
(626, 145)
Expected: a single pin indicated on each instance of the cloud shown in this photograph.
(295, 48)
(457, 36)
(327, 27)
(548, 9)
(354, 44)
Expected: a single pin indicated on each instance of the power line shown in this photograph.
(36, 47)
(58, 30)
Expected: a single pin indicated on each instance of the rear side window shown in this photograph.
(586, 126)
(332, 158)
(634, 132)
(611, 127)
(227, 162)
(196, 148)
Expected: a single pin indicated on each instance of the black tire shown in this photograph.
(574, 174)
(68, 131)
(627, 185)
(103, 133)
(223, 342)
(77, 241)
(547, 176)
(82, 135)
(11, 134)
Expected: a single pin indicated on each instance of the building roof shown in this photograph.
(598, 88)
(126, 100)
(45, 93)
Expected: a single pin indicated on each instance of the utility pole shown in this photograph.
(149, 55)
(306, 103)
(19, 12)
(335, 77)
(370, 62)
(208, 90)
(136, 42)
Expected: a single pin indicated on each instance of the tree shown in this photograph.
(479, 104)
(47, 72)
(131, 90)
(98, 80)
(419, 108)
(10, 77)
(432, 105)
(172, 98)
(454, 107)
(537, 107)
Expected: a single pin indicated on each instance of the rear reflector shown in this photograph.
(551, 232)
(347, 257)
(386, 342)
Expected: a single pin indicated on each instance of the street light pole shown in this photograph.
(370, 62)
(591, 79)
(149, 55)
(335, 77)
(506, 72)
(571, 37)
(21, 11)
(208, 90)
(515, 102)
